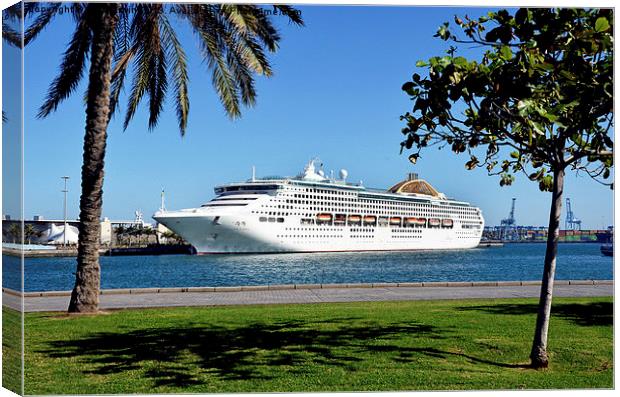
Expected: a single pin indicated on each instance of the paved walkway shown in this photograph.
(168, 297)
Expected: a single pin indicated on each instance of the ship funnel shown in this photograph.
(343, 174)
(412, 176)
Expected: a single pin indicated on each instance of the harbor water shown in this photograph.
(522, 261)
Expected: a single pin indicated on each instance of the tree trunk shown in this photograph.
(85, 295)
(539, 355)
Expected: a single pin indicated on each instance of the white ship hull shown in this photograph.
(313, 214)
(231, 235)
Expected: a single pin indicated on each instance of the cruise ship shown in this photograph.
(315, 213)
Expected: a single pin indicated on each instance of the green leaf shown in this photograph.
(505, 53)
(460, 61)
(601, 24)
(546, 183)
(524, 107)
(471, 164)
(421, 64)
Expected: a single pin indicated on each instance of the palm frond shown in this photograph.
(11, 36)
(12, 18)
(44, 18)
(119, 73)
(253, 56)
(293, 14)
(179, 72)
(208, 26)
(123, 54)
(234, 50)
(241, 25)
(71, 69)
(159, 83)
(243, 77)
(150, 64)
(140, 78)
(262, 28)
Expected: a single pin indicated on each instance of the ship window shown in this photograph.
(280, 220)
(262, 219)
(271, 220)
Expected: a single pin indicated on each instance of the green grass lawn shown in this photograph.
(11, 350)
(421, 345)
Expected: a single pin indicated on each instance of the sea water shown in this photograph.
(523, 261)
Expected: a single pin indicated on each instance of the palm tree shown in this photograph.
(120, 233)
(172, 236)
(16, 231)
(232, 39)
(30, 232)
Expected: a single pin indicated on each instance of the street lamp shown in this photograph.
(64, 233)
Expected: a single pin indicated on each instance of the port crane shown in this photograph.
(508, 225)
(572, 223)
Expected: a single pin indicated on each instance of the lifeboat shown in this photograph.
(355, 219)
(447, 223)
(370, 220)
(394, 220)
(324, 217)
(340, 218)
(434, 222)
(421, 222)
(411, 221)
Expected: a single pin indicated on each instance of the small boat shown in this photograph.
(324, 217)
(340, 219)
(394, 220)
(421, 222)
(355, 219)
(434, 222)
(607, 249)
(447, 223)
(370, 219)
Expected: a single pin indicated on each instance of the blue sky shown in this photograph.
(335, 94)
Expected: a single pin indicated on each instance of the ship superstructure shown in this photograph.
(314, 213)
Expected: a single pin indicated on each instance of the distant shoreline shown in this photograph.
(177, 250)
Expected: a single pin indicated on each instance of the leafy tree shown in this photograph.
(233, 40)
(539, 101)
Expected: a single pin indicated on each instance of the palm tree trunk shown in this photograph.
(539, 355)
(85, 295)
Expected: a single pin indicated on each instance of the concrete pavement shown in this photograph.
(308, 293)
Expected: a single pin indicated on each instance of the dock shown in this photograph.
(164, 249)
(490, 244)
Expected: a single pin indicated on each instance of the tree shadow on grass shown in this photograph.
(586, 314)
(175, 356)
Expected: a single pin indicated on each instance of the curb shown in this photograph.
(434, 284)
